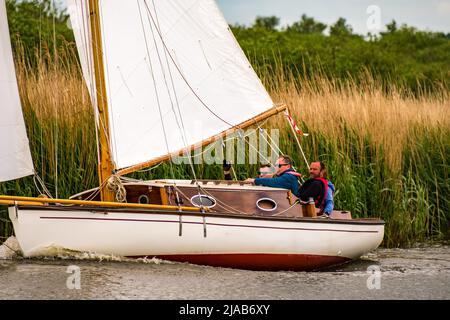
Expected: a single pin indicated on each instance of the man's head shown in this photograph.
(317, 170)
(265, 171)
(283, 163)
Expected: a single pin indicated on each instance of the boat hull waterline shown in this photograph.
(255, 243)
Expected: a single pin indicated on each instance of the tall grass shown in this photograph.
(387, 151)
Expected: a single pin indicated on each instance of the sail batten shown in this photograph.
(175, 76)
(15, 152)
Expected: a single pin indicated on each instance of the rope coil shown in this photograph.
(114, 184)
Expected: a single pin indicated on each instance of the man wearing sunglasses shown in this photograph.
(285, 176)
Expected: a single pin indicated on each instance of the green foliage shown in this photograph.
(341, 28)
(416, 60)
(307, 25)
(266, 23)
(38, 24)
(391, 27)
(413, 202)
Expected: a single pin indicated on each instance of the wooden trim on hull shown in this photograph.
(259, 262)
(13, 200)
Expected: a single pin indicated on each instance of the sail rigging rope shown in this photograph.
(86, 35)
(219, 202)
(97, 191)
(55, 92)
(272, 145)
(151, 168)
(156, 26)
(182, 128)
(109, 135)
(178, 118)
(174, 99)
(155, 87)
(298, 141)
(44, 188)
(167, 52)
(224, 205)
(183, 133)
(36, 178)
(281, 212)
(232, 209)
(99, 124)
(182, 75)
(115, 185)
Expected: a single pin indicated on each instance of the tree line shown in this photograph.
(402, 55)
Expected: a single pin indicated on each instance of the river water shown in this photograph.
(417, 273)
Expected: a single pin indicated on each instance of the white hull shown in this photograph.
(231, 241)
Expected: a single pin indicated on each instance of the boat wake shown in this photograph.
(10, 249)
(64, 254)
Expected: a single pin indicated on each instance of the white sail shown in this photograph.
(15, 155)
(175, 75)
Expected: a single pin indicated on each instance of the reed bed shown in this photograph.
(387, 151)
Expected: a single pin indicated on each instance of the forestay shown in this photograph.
(175, 75)
(15, 155)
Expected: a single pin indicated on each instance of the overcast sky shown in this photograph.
(362, 15)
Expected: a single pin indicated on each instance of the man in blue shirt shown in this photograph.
(329, 202)
(285, 176)
(328, 205)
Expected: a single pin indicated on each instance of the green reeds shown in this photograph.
(387, 151)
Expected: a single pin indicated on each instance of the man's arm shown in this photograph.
(279, 182)
(329, 202)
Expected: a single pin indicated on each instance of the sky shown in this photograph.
(363, 15)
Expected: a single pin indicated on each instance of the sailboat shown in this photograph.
(165, 76)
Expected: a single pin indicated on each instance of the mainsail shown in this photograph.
(175, 75)
(15, 155)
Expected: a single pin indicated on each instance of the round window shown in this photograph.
(143, 199)
(266, 204)
(203, 201)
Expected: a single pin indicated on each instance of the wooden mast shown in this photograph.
(243, 125)
(106, 166)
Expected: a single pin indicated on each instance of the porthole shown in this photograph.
(266, 204)
(201, 200)
(143, 199)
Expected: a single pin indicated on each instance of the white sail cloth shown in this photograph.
(15, 156)
(175, 74)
